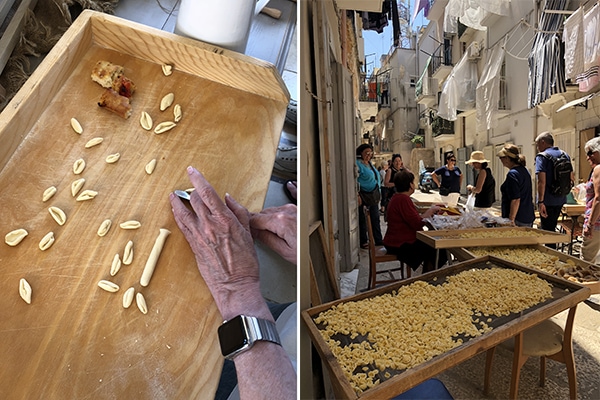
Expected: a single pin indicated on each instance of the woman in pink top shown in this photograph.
(404, 221)
(591, 224)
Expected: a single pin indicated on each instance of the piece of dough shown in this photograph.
(154, 254)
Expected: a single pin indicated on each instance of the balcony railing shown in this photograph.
(441, 126)
(442, 56)
(426, 87)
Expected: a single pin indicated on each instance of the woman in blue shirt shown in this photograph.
(517, 200)
(369, 180)
(451, 176)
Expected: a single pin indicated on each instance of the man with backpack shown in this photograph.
(554, 173)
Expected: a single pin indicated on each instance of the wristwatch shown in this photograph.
(240, 333)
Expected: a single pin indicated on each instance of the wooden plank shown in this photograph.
(445, 239)
(315, 295)
(75, 340)
(10, 37)
(323, 269)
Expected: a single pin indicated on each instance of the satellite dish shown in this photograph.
(575, 102)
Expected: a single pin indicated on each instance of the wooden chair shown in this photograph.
(378, 254)
(546, 340)
(572, 226)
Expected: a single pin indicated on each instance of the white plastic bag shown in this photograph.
(470, 202)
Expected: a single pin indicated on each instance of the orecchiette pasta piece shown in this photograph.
(25, 290)
(58, 215)
(76, 186)
(150, 166)
(128, 253)
(141, 303)
(132, 224)
(47, 241)
(104, 227)
(48, 193)
(128, 297)
(108, 286)
(116, 265)
(78, 166)
(87, 195)
(15, 237)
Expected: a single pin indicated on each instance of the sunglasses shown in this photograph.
(452, 159)
(590, 153)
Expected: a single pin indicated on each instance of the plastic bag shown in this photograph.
(470, 202)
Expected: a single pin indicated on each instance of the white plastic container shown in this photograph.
(225, 23)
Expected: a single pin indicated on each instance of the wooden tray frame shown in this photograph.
(463, 254)
(446, 239)
(565, 295)
(85, 351)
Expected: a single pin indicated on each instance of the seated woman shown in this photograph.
(404, 221)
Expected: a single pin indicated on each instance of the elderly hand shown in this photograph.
(219, 235)
(434, 209)
(276, 227)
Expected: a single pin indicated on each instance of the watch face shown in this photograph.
(232, 336)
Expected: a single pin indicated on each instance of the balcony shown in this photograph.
(442, 129)
(441, 61)
(426, 91)
(465, 33)
(436, 9)
(360, 5)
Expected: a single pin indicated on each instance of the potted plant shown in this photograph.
(418, 140)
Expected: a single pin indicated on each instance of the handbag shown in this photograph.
(444, 191)
(371, 198)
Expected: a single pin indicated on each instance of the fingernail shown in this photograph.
(190, 169)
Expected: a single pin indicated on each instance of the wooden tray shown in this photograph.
(464, 254)
(75, 340)
(565, 295)
(446, 239)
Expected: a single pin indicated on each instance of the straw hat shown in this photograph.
(477, 156)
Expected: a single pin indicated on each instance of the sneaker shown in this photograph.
(291, 115)
(287, 154)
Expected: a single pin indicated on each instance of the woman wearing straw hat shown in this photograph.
(485, 187)
(517, 200)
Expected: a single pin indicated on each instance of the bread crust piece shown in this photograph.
(113, 101)
(123, 85)
(105, 73)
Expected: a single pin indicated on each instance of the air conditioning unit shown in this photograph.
(473, 51)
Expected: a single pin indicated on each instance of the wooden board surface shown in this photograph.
(75, 340)
(446, 239)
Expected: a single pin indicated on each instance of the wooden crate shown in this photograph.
(463, 254)
(446, 239)
(565, 294)
(74, 340)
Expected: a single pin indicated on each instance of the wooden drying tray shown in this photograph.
(446, 239)
(463, 254)
(76, 341)
(565, 295)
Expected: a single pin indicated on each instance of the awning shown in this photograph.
(575, 102)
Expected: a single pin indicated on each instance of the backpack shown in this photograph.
(562, 168)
